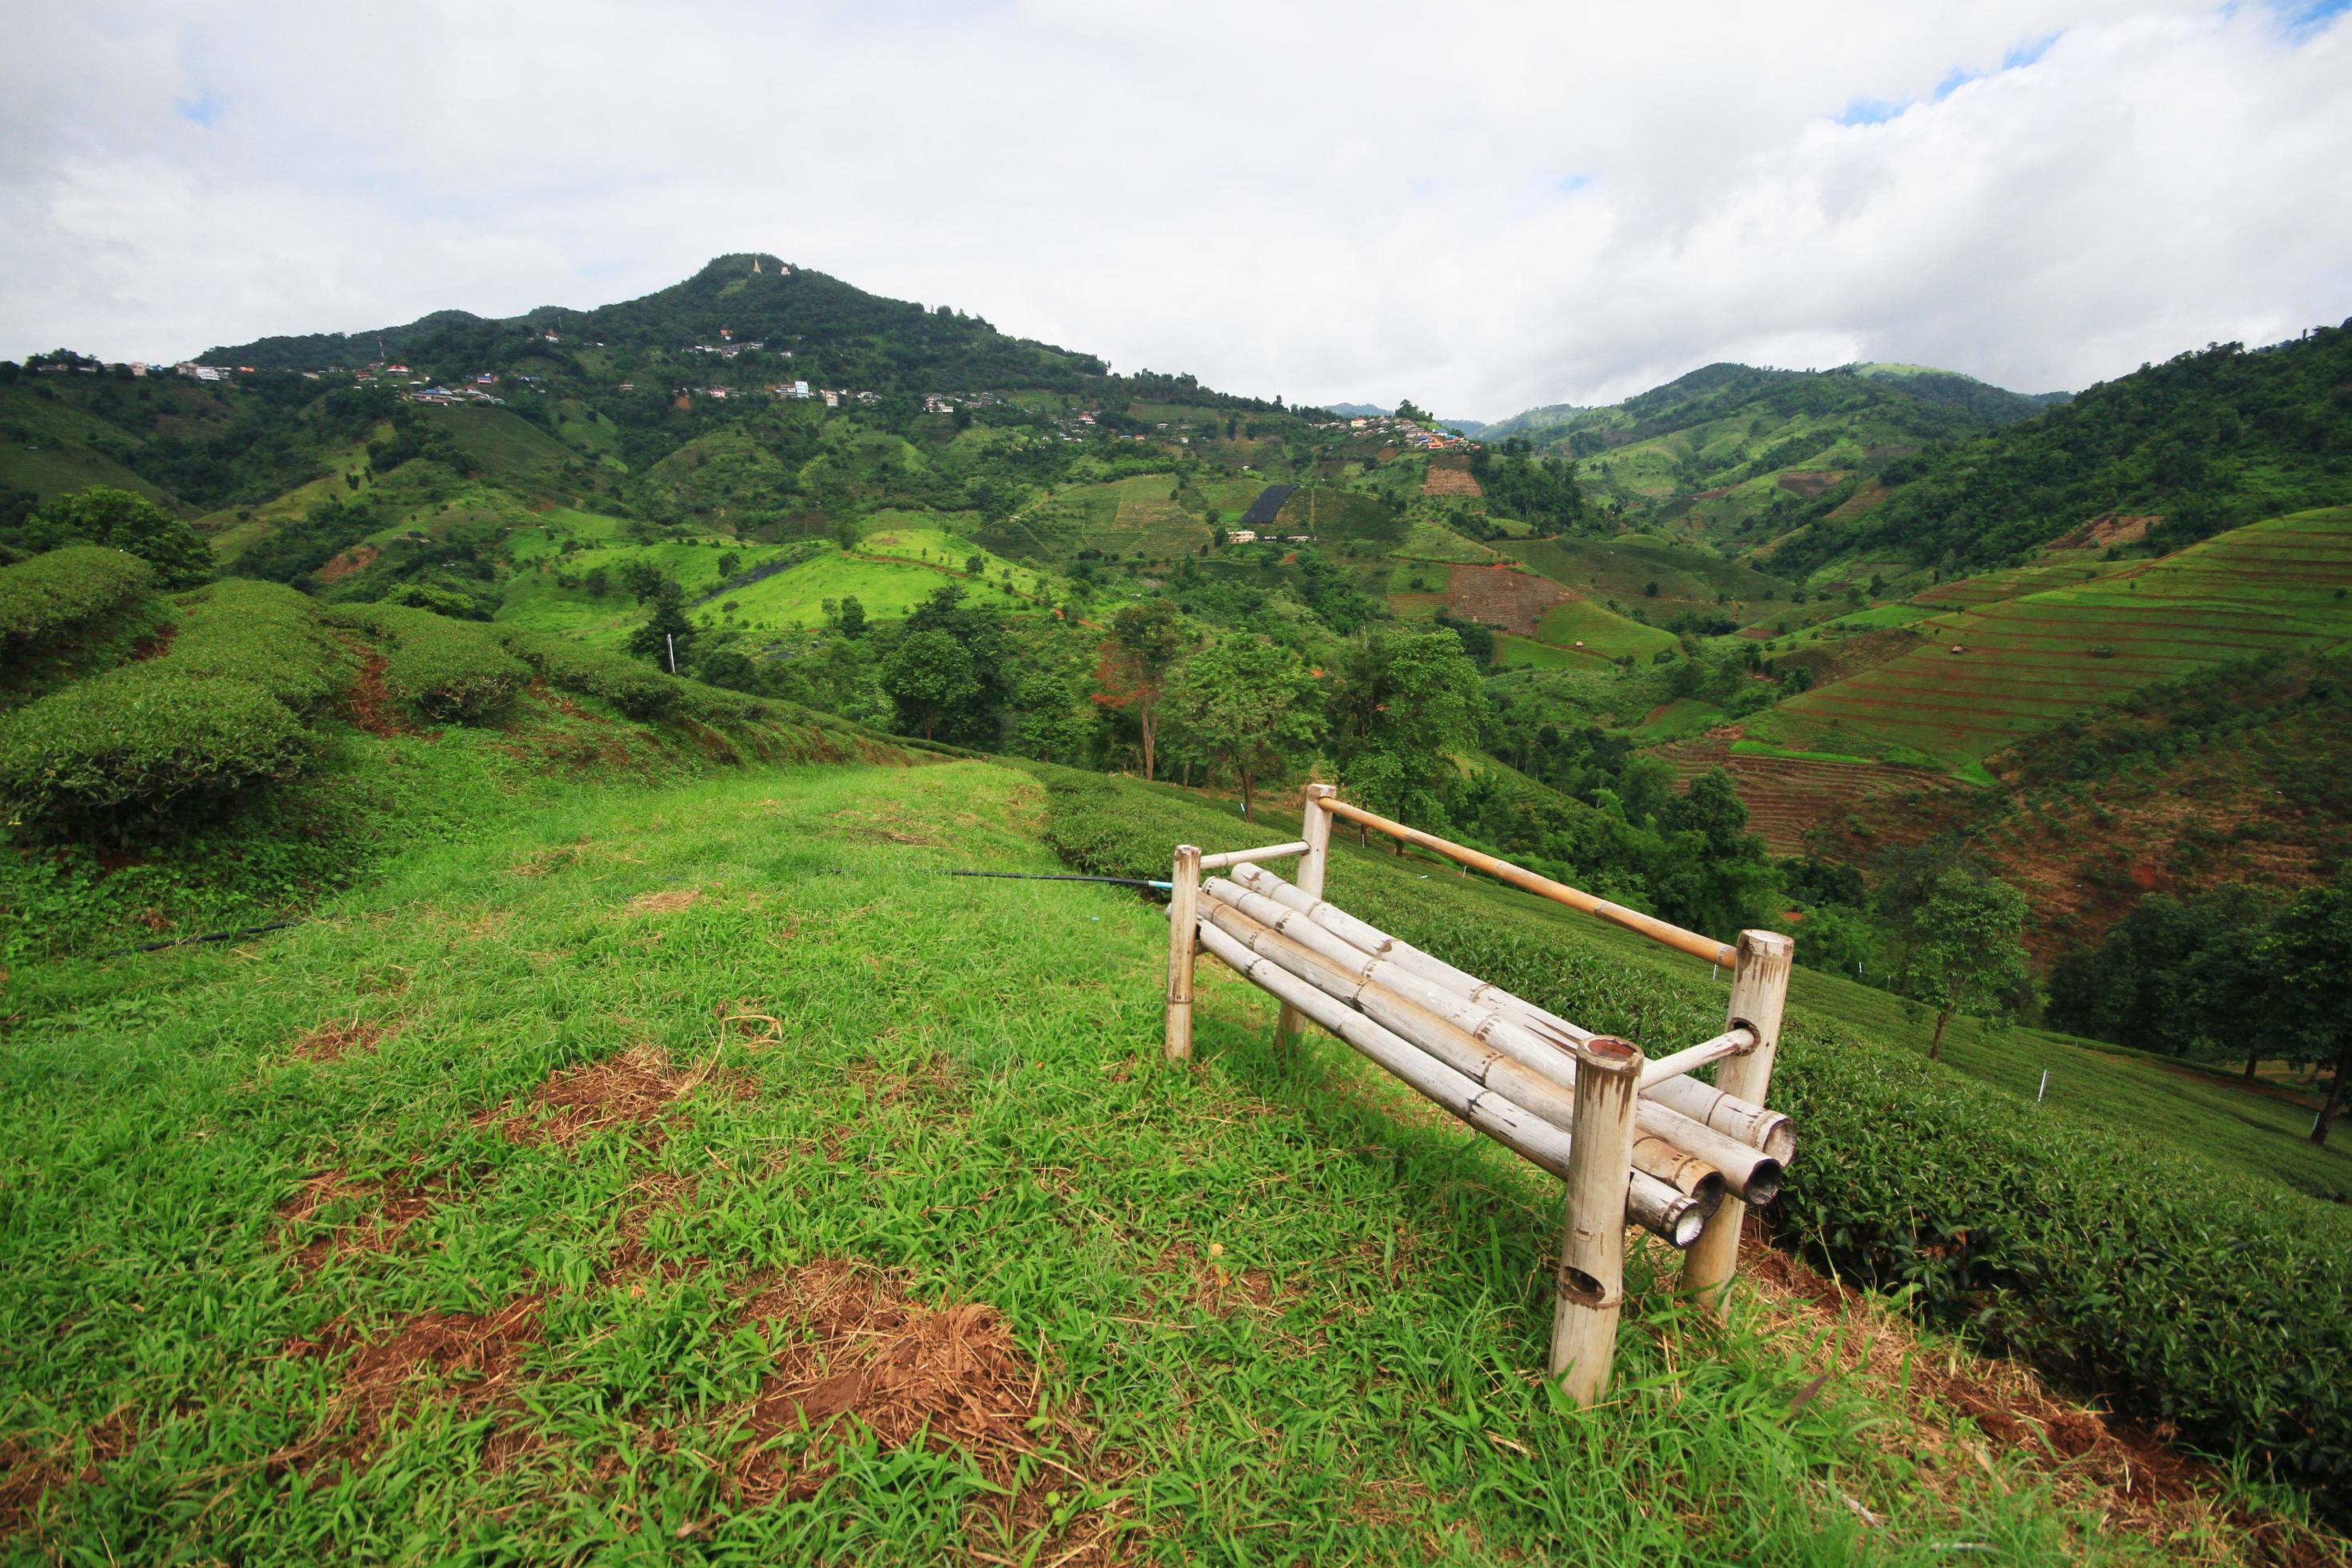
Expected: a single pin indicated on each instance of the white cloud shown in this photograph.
(1481, 208)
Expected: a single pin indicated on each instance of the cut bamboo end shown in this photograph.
(1591, 1275)
(1183, 942)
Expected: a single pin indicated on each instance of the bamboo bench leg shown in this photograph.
(1183, 942)
(1759, 993)
(1316, 829)
(1591, 1283)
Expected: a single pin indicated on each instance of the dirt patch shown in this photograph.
(369, 705)
(468, 1361)
(1449, 476)
(1212, 1283)
(389, 1207)
(934, 1083)
(155, 644)
(2137, 1482)
(1861, 501)
(1502, 595)
(667, 901)
(849, 1346)
(1812, 483)
(333, 1041)
(635, 1089)
(357, 558)
(29, 1473)
(2107, 527)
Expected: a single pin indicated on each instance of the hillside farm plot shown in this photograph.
(1789, 797)
(2028, 662)
(794, 599)
(1599, 630)
(1449, 475)
(1624, 568)
(1502, 595)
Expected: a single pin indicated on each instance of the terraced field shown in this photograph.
(2029, 661)
(1787, 796)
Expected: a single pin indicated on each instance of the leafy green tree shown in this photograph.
(667, 633)
(2311, 1003)
(1958, 949)
(929, 675)
(1401, 708)
(1245, 705)
(1145, 642)
(123, 521)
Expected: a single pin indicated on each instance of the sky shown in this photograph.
(1480, 207)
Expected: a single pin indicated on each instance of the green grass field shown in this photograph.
(1601, 629)
(512, 1209)
(1624, 568)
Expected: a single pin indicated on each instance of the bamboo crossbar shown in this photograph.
(1235, 856)
(1649, 926)
(1731, 1042)
(1674, 1216)
(1545, 1042)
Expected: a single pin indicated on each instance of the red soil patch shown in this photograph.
(635, 1089)
(1450, 476)
(369, 705)
(1788, 799)
(2107, 527)
(29, 1474)
(333, 1041)
(155, 644)
(466, 1360)
(357, 558)
(849, 1345)
(1213, 1284)
(1502, 595)
(1812, 483)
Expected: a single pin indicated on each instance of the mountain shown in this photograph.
(2206, 441)
(1728, 445)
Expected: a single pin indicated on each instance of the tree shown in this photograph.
(1145, 642)
(122, 520)
(1246, 704)
(929, 675)
(1401, 707)
(2311, 1002)
(1957, 949)
(666, 631)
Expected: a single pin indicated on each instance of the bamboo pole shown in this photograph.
(1316, 824)
(1183, 922)
(1747, 1171)
(1656, 930)
(1591, 1283)
(1235, 856)
(1759, 993)
(1673, 1216)
(1729, 1043)
(1459, 1049)
(1753, 1125)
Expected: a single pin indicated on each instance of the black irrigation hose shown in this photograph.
(1063, 876)
(187, 940)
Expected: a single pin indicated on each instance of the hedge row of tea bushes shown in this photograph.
(226, 707)
(2178, 1291)
(67, 611)
(451, 671)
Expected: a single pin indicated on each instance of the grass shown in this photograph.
(1273, 1312)
(1601, 629)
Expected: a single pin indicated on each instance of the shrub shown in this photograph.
(455, 671)
(66, 591)
(2182, 1292)
(636, 691)
(142, 748)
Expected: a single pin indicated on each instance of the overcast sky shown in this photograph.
(1481, 208)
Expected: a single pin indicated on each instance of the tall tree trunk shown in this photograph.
(1936, 1046)
(2252, 1060)
(1151, 736)
(2327, 1113)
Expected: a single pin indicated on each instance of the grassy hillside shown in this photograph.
(523, 1205)
(2202, 442)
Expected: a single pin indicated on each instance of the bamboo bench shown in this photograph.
(1635, 1140)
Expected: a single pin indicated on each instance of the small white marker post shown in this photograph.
(2045, 1089)
(671, 641)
